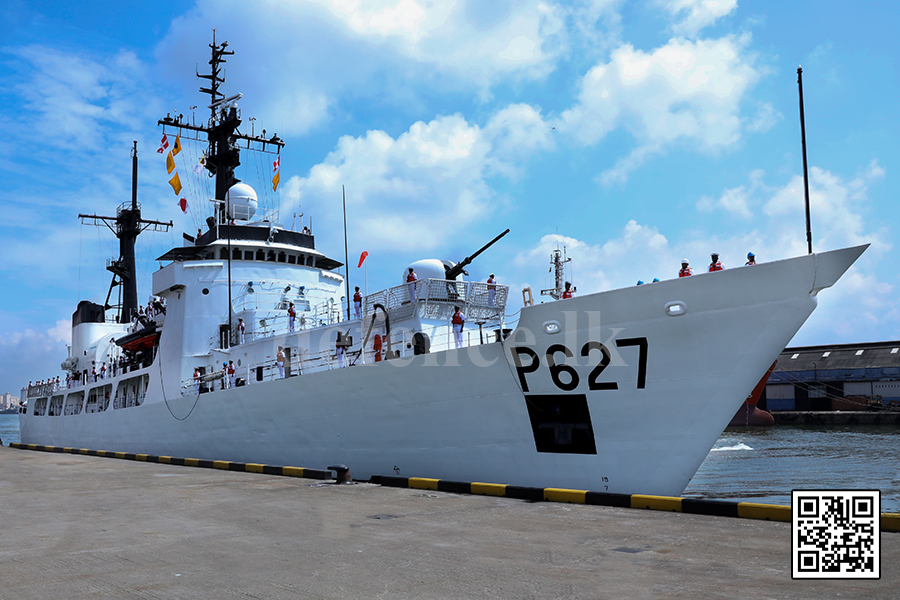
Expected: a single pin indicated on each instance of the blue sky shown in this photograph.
(633, 133)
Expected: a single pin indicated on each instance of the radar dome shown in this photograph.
(241, 202)
(429, 268)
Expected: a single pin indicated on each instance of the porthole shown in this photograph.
(205, 291)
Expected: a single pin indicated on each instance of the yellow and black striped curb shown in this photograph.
(225, 465)
(696, 506)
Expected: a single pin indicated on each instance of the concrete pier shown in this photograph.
(90, 527)
(836, 417)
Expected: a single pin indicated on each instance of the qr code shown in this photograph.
(836, 534)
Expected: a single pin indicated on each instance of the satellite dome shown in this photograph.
(241, 201)
(429, 268)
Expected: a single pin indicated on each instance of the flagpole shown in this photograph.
(805, 172)
(346, 254)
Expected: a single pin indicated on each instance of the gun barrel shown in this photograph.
(455, 271)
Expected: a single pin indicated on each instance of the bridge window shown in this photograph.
(282, 257)
(248, 255)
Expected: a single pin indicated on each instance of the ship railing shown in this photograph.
(40, 390)
(271, 318)
(441, 338)
(437, 299)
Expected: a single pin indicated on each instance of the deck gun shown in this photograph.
(454, 271)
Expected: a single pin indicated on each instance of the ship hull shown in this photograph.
(619, 415)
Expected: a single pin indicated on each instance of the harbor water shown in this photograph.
(765, 464)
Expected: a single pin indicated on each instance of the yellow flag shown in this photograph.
(275, 181)
(170, 163)
(175, 182)
(177, 147)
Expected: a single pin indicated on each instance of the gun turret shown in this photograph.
(453, 272)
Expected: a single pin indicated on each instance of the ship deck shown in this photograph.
(90, 527)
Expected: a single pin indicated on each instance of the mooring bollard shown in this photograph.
(343, 473)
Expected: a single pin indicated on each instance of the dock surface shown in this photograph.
(90, 527)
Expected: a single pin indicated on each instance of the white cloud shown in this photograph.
(765, 118)
(474, 39)
(421, 188)
(326, 51)
(640, 252)
(684, 90)
(32, 355)
(697, 14)
(837, 209)
(736, 201)
(74, 97)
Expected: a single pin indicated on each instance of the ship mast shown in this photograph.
(557, 264)
(128, 225)
(223, 154)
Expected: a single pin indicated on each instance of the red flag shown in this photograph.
(163, 144)
(362, 258)
(183, 204)
(277, 164)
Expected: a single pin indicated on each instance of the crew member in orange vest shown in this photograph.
(458, 320)
(291, 314)
(411, 280)
(492, 289)
(715, 265)
(685, 271)
(197, 380)
(231, 373)
(569, 292)
(357, 303)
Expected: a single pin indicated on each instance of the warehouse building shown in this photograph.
(837, 377)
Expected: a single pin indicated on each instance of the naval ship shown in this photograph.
(252, 351)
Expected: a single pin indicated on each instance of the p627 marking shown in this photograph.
(566, 378)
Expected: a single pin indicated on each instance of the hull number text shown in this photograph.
(566, 378)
